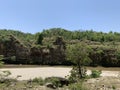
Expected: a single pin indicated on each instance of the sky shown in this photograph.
(35, 15)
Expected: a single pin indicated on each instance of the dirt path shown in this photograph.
(29, 73)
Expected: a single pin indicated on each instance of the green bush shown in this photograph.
(113, 87)
(74, 75)
(54, 80)
(95, 73)
(39, 81)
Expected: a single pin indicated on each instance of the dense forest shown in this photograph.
(50, 46)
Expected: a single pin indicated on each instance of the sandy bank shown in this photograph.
(29, 73)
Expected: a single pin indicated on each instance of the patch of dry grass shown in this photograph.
(103, 83)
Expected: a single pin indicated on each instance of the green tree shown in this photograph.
(40, 39)
(78, 54)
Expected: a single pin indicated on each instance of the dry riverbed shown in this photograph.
(30, 73)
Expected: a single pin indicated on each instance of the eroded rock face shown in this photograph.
(49, 55)
(16, 52)
(44, 55)
(39, 55)
(12, 47)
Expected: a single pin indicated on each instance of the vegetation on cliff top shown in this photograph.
(50, 46)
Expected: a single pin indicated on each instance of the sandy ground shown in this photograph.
(30, 73)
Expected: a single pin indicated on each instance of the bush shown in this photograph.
(95, 73)
(54, 80)
(39, 81)
(74, 75)
(113, 87)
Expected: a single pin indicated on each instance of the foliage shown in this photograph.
(26, 38)
(113, 87)
(39, 81)
(74, 75)
(40, 39)
(96, 55)
(95, 73)
(49, 47)
(78, 54)
(1, 58)
(54, 80)
(82, 35)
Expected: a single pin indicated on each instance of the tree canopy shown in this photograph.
(79, 55)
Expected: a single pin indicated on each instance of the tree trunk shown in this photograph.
(80, 70)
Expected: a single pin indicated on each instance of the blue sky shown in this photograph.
(35, 15)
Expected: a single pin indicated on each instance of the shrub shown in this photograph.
(95, 73)
(74, 75)
(54, 80)
(39, 81)
(113, 87)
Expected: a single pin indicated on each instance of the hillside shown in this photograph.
(49, 46)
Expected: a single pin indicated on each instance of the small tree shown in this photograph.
(40, 39)
(78, 54)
